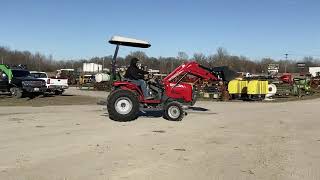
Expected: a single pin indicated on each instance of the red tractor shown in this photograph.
(171, 94)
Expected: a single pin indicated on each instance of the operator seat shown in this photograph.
(133, 82)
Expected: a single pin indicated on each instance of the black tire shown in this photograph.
(16, 92)
(57, 92)
(128, 99)
(173, 111)
(46, 94)
(32, 95)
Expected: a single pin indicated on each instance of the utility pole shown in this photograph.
(1, 59)
(285, 64)
(102, 63)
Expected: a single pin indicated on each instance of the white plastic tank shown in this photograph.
(102, 77)
(272, 90)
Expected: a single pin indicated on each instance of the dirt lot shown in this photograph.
(229, 141)
(72, 96)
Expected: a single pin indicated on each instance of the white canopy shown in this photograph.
(124, 41)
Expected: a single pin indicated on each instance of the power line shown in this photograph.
(304, 55)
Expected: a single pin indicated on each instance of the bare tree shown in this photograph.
(182, 56)
(37, 61)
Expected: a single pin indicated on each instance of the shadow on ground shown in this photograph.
(198, 109)
(159, 113)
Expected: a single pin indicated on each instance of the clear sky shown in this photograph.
(80, 28)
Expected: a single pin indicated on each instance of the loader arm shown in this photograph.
(191, 68)
(176, 88)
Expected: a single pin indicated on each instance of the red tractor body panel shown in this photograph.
(127, 86)
(192, 68)
(133, 87)
(179, 91)
(287, 78)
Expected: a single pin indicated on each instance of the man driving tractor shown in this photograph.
(136, 75)
(171, 94)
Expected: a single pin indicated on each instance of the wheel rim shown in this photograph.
(13, 91)
(123, 105)
(174, 112)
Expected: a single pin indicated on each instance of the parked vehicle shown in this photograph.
(54, 85)
(69, 74)
(19, 83)
(86, 80)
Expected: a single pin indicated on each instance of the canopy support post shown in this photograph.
(114, 60)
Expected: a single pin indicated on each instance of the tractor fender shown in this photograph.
(136, 90)
(128, 86)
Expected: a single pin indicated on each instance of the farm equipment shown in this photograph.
(284, 85)
(170, 94)
(315, 82)
(296, 86)
(86, 80)
(69, 74)
(218, 89)
(102, 82)
(238, 88)
(99, 81)
(251, 89)
(301, 86)
(257, 89)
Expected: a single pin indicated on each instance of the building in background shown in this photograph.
(91, 68)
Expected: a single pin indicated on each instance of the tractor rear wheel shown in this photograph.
(123, 105)
(173, 111)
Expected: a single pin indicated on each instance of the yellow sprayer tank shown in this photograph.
(257, 87)
(237, 87)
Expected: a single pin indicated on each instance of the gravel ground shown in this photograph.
(228, 141)
(72, 96)
(84, 92)
(49, 101)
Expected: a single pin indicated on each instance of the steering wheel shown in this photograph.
(151, 80)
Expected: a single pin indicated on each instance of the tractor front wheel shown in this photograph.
(173, 111)
(123, 105)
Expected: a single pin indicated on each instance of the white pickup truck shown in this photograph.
(54, 85)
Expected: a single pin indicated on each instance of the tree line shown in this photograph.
(37, 61)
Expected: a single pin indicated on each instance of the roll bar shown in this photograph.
(124, 41)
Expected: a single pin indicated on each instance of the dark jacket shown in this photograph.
(133, 72)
